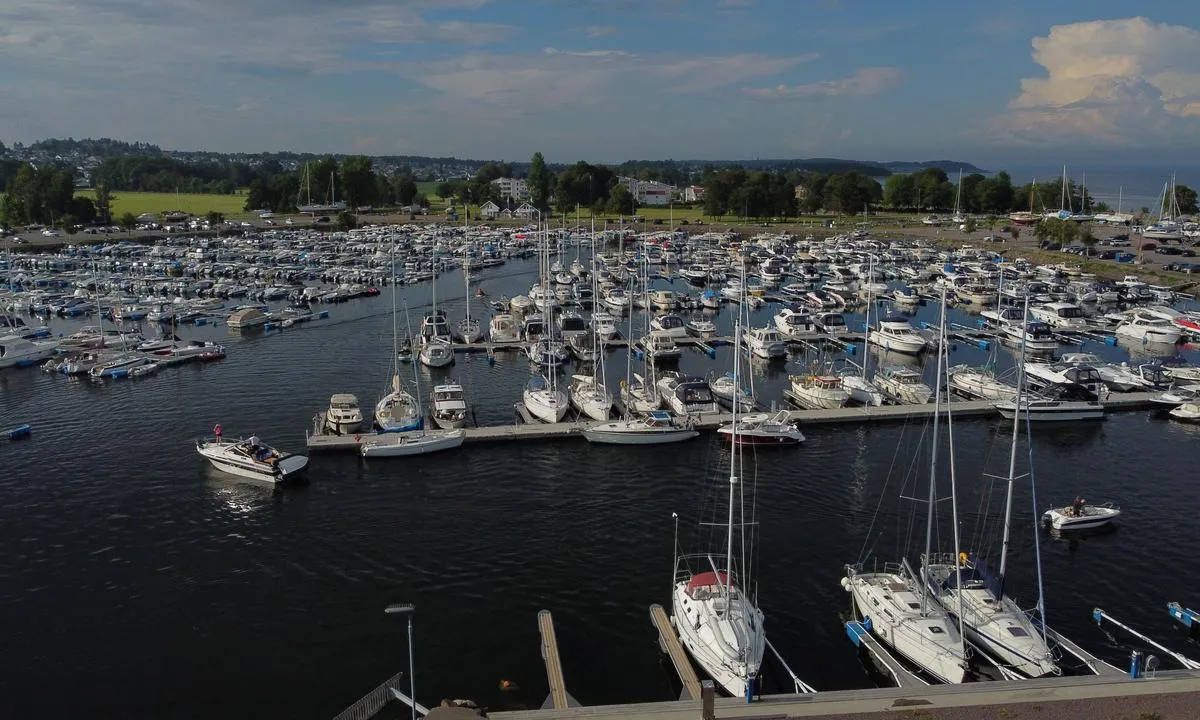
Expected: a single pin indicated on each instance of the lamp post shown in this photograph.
(407, 609)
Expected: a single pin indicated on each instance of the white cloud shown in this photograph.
(587, 53)
(599, 30)
(866, 81)
(1125, 82)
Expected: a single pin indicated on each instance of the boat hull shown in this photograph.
(615, 434)
(415, 444)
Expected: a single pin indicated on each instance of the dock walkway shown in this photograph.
(670, 644)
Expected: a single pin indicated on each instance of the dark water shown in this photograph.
(137, 581)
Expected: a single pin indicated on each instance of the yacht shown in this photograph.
(1059, 402)
(118, 366)
(896, 334)
(725, 391)
(503, 328)
(448, 405)
(819, 391)
(1063, 315)
(686, 395)
(414, 443)
(1143, 327)
(670, 324)
(548, 352)
(436, 352)
(763, 429)
(795, 324)
(656, 427)
(16, 351)
(764, 343)
(903, 385)
(1036, 336)
(344, 417)
(660, 346)
(251, 458)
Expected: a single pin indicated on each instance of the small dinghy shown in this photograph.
(1080, 516)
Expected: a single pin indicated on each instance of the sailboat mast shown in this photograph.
(733, 446)
(870, 302)
(1012, 455)
(937, 414)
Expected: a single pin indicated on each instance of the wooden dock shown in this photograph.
(669, 642)
(558, 698)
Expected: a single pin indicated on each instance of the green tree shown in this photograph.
(446, 189)
(346, 220)
(127, 221)
(1058, 233)
(620, 200)
(540, 182)
(969, 226)
(104, 199)
(406, 188)
(358, 187)
(1087, 238)
(1185, 197)
(420, 200)
(68, 222)
(214, 218)
(899, 191)
(1015, 232)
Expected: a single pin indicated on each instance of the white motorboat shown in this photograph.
(795, 324)
(398, 411)
(895, 333)
(1044, 374)
(448, 405)
(1062, 315)
(862, 390)
(1187, 412)
(725, 390)
(764, 343)
(979, 384)
(617, 300)
(1121, 376)
(1080, 516)
(663, 299)
(1144, 327)
(546, 402)
(1035, 336)
(687, 395)
(344, 417)
(1060, 402)
(16, 351)
(660, 346)
(520, 304)
(763, 429)
(654, 428)
(590, 398)
(906, 296)
(903, 385)
(701, 328)
(118, 366)
(251, 458)
(670, 324)
(819, 391)
(1177, 396)
(415, 443)
(504, 328)
(604, 325)
(570, 324)
(832, 323)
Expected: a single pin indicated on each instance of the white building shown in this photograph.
(693, 193)
(512, 188)
(489, 210)
(649, 192)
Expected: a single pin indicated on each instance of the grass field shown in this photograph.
(192, 203)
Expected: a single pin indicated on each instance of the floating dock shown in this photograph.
(559, 698)
(530, 429)
(669, 642)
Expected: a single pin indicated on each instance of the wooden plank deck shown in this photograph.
(558, 698)
(670, 643)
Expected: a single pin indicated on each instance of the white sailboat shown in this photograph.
(542, 397)
(589, 393)
(398, 411)
(895, 606)
(435, 351)
(861, 389)
(470, 330)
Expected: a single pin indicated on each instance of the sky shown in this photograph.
(611, 80)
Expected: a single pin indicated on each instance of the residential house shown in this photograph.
(489, 210)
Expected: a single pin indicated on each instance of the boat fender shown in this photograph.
(851, 349)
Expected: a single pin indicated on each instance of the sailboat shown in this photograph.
(958, 217)
(963, 586)
(469, 329)
(895, 606)
(435, 349)
(543, 398)
(714, 613)
(589, 393)
(639, 394)
(311, 208)
(398, 411)
(861, 389)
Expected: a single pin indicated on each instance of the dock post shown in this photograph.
(708, 696)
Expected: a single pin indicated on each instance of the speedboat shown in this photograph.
(1059, 402)
(344, 417)
(660, 346)
(819, 391)
(896, 334)
(686, 395)
(1080, 516)
(655, 428)
(449, 405)
(417, 443)
(670, 324)
(1177, 396)
(764, 429)
(1149, 328)
(764, 343)
(118, 366)
(904, 385)
(1036, 336)
(1187, 412)
(795, 324)
(251, 458)
(699, 327)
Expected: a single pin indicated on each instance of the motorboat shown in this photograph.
(520, 304)
(398, 410)
(764, 429)
(702, 328)
(1043, 374)
(764, 343)
(710, 300)
(1062, 315)
(583, 347)
(725, 391)
(903, 385)
(663, 299)
(795, 324)
(1035, 336)
(670, 324)
(344, 417)
(404, 349)
(571, 323)
(604, 325)
(1177, 396)
(819, 391)
(979, 384)
(862, 391)
(654, 428)
(1080, 516)
(546, 402)
(617, 299)
(415, 443)
(660, 346)
(687, 395)
(1121, 376)
(896, 334)
(591, 399)
(1187, 412)
(448, 405)
(1143, 327)
(17, 351)
(503, 328)
(831, 323)
(1056, 403)
(118, 366)
(251, 458)
(906, 296)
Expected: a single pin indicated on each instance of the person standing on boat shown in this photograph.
(1077, 506)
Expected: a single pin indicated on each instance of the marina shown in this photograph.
(356, 531)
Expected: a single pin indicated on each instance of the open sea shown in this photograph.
(137, 581)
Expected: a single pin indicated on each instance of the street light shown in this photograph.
(408, 609)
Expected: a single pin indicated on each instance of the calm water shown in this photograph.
(137, 581)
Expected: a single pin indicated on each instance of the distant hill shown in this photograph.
(946, 166)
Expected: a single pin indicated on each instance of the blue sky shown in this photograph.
(609, 80)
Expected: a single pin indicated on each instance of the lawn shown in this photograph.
(191, 203)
